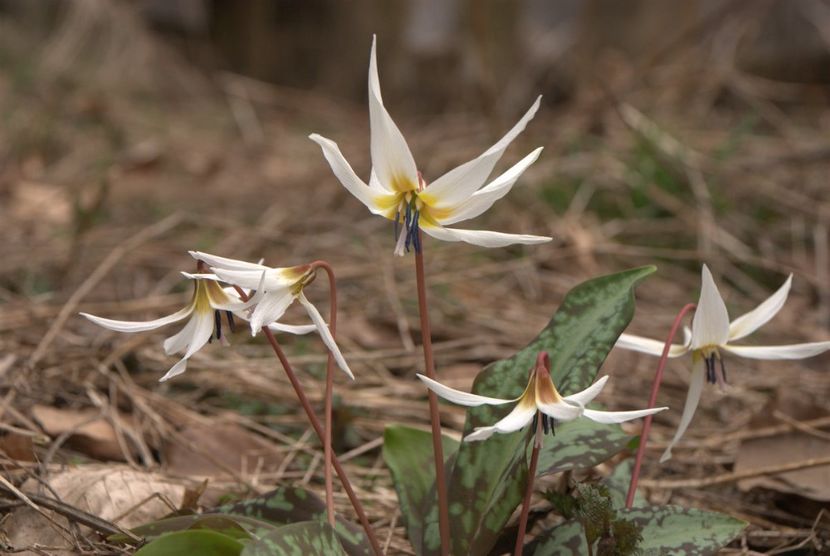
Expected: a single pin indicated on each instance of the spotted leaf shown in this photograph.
(665, 530)
(488, 478)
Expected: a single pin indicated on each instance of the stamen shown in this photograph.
(416, 237)
(722, 369)
(231, 323)
(711, 375)
(397, 222)
(217, 324)
(545, 424)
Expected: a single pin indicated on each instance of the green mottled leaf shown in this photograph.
(408, 454)
(665, 529)
(617, 483)
(287, 505)
(308, 538)
(198, 541)
(239, 527)
(580, 444)
(488, 477)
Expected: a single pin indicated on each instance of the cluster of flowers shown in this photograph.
(398, 192)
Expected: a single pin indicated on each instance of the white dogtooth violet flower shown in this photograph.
(398, 192)
(204, 312)
(711, 339)
(541, 396)
(274, 290)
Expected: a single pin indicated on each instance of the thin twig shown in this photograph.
(96, 276)
(73, 514)
(733, 477)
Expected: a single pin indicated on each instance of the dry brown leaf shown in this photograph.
(18, 447)
(115, 493)
(790, 447)
(96, 438)
(223, 449)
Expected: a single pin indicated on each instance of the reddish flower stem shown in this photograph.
(531, 478)
(327, 442)
(434, 417)
(652, 401)
(315, 424)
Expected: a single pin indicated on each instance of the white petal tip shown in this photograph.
(666, 456)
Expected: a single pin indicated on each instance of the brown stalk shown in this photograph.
(327, 442)
(434, 417)
(321, 434)
(655, 388)
(531, 476)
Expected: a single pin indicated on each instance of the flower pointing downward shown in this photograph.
(205, 310)
(398, 192)
(275, 290)
(711, 338)
(540, 395)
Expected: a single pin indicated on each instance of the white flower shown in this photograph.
(397, 191)
(539, 395)
(275, 289)
(712, 336)
(205, 312)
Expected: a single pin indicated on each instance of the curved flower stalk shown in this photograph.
(540, 397)
(205, 312)
(275, 290)
(398, 192)
(711, 338)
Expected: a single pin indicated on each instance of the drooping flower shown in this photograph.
(205, 312)
(540, 395)
(711, 338)
(274, 290)
(398, 192)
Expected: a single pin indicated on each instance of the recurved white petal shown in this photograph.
(175, 370)
(377, 203)
(483, 199)
(795, 351)
(565, 410)
(275, 278)
(193, 336)
(586, 396)
(221, 301)
(224, 262)
(482, 238)
(459, 397)
(608, 417)
(649, 346)
(391, 158)
(297, 329)
(746, 324)
(517, 419)
(270, 308)
(177, 343)
(140, 326)
(325, 334)
(696, 382)
(710, 326)
(457, 185)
